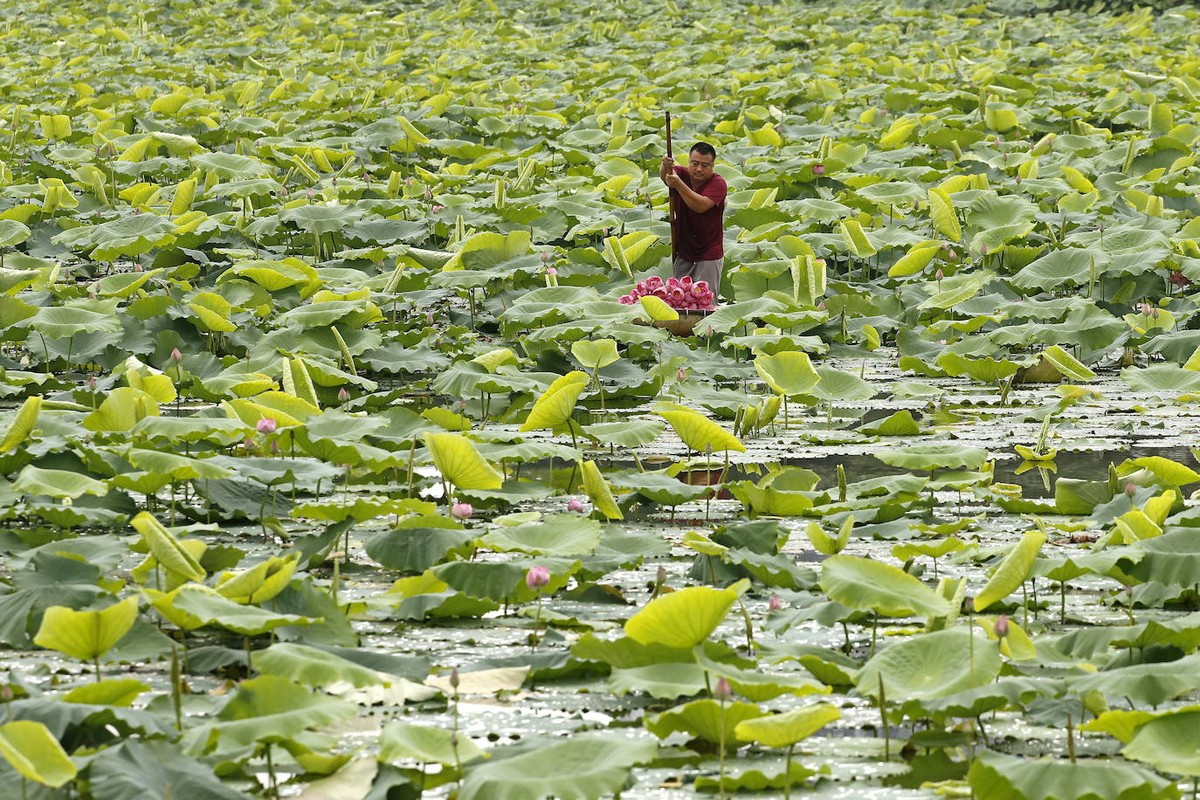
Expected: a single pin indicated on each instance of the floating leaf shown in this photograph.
(870, 585)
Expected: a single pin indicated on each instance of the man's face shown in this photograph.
(700, 167)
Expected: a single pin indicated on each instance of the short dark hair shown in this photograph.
(704, 149)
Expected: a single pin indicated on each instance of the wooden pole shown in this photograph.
(670, 192)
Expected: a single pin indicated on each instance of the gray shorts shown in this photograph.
(709, 271)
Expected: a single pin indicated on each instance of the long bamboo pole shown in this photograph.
(671, 192)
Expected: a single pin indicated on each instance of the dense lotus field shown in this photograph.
(333, 466)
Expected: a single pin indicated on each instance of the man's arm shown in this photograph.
(694, 200)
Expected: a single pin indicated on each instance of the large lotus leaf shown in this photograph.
(957, 289)
(57, 483)
(63, 322)
(310, 666)
(138, 768)
(272, 708)
(683, 618)
(505, 582)
(984, 370)
(12, 233)
(286, 409)
(557, 535)
(1071, 266)
(555, 406)
(1013, 571)
(1166, 471)
(756, 686)
(930, 665)
(1166, 378)
(598, 491)
(582, 768)
(999, 219)
(595, 353)
(628, 433)
(460, 463)
(705, 719)
(322, 219)
(123, 237)
(194, 605)
(261, 582)
(788, 372)
(166, 548)
(870, 585)
(666, 681)
(403, 742)
(996, 776)
(943, 215)
(934, 455)
(275, 276)
(660, 487)
(231, 166)
(20, 430)
(176, 467)
(1169, 743)
(697, 431)
(1144, 684)
(124, 408)
(486, 250)
(837, 385)
(35, 752)
(87, 634)
(788, 728)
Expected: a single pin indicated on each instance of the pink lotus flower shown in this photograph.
(818, 169)
(461, 511)
(774, 604)
(176, 356)
(1002, 626)
(266, 425)
(575, 505)
(537, 577)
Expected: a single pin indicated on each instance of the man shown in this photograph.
(699, 248)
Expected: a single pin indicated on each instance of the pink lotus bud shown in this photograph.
(266, 425)
(461, 511)
(343, 395)
(537, 577)
(176, 356)
(454, 678)
(575, 505)
(721, 689)
(681, 374)
(983, 249)
(546, 257)
(818, 169)
(951, 254)
(6, 693)
(91, 382)
(551, 271)
(939, 274)
(436, 208)
(774, 604)
(1002, 626)
(1130, 489)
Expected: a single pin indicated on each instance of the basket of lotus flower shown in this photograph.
(686, 324)
(692, 301)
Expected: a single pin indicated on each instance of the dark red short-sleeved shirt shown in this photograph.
(700, 237)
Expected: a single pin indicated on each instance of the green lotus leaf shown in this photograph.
(1166, 471)
(309, 666)
(1013, 571)
(996, 776)
(460, 463)
(176, 467)
(598, 491)
(870, 585)
(403, 742)
(697, 431)
(901, 423)
(1168, 743)
(759, 687)
(586, 766)
(934, 455)
(231, 166)
(63, 322)
(120, 238)
(665, 681)
(660, 487)
(1069, 266)
(1143, 684)
(275, 276)
(194, 606)
(87, 634)
(259, 583)
(683, 618)
(57, 483)
(12, 233)
(557, 535)
(788, 728)
(629, 433)
(1067, 364)
(322, 219)
(1166, 378)
(166, 548)
(213, 311)
(838, 385)
(121, 692)
(930, 665)
(945, 218)
(272, 708)
(914, 261)
(595, 353)
(985, 370)
(505, 582)
(33, 751)
(555, 406)
(999, 219)
(705, 719)
(788, 373)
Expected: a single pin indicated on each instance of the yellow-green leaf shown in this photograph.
(88, 634)
(460, 463)
(598, 491)
(35, 753)
(1012, 572)
(941, 211)
(555, 406)
(697, 431)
